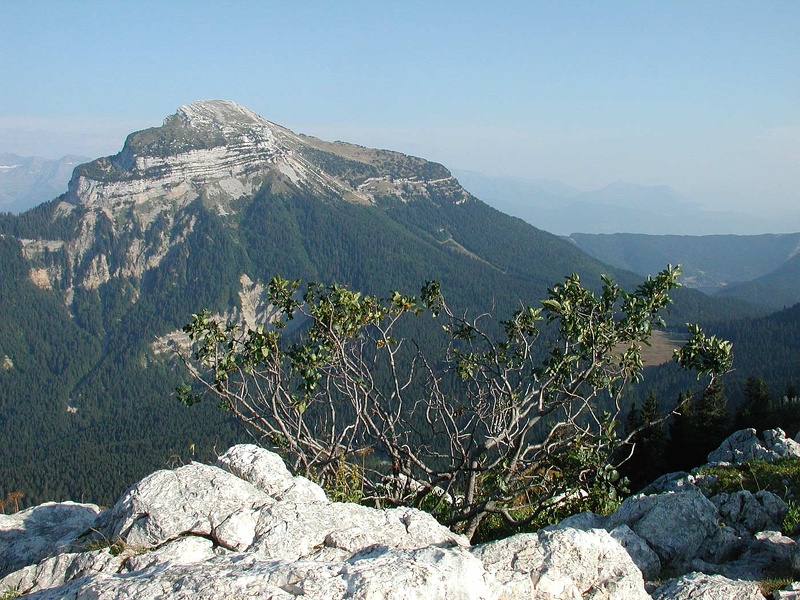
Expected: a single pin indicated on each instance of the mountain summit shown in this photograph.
(220, 151)
(220, 154)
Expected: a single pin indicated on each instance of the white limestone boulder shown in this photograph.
(699, 586)
(776, 442)
(58, 570)
(195, 499)
(377, 573)
(39, 532)
(568, 564)
(744, 445)
(267, 472)
(290, 531)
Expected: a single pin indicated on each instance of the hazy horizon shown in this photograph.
(701, 97)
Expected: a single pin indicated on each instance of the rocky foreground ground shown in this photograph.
(246, 528)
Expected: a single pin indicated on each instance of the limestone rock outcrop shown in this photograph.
(247, 528)
(696, 586)
(744, 445)
(41, 531)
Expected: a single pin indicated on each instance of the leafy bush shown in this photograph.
(499, 423)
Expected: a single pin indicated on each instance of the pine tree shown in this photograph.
(649, 458)
(681, 453)
(755, 411)
(711, 421)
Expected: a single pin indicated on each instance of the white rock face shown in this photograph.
(562, 563)
(744, 445)
(267, 472)
(213, 147)
(217, 152)
(41, 531)
(249, 529)
(695, 586)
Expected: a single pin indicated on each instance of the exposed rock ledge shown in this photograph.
(246, 528)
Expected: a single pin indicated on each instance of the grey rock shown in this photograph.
(770, 552)
(562, 563)
(790, 592)
(42, 531)
(678, 526)
(750, 513)
(739, 447)
(699, 586)
(767, 553)
(641, 554)
(584, 521)
(670, 482)
(267, 471)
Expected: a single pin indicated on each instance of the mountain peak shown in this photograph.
(219, 151)
(203, 125)
(217, 112)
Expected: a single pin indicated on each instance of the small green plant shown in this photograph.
(792, 518)
(10, 593)
(116, 547)
(771, 584)
(348, 483)
(781, 477)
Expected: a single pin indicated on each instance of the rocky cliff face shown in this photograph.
(246, 528)
(217, 152)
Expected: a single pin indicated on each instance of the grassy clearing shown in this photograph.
(660, 350)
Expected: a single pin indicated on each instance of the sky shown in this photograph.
(698, 95)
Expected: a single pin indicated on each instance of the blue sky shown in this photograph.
(701, 96)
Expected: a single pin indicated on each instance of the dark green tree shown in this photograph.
(649, 443)
(757, 407)
(712, 422)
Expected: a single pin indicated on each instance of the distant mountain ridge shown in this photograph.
(26, 181)
(778, 289)
(761, 269)
(619, 207)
